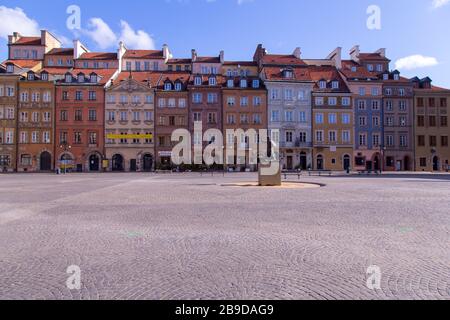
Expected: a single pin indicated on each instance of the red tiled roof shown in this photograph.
(241, 63)
(146, 77)
(276, 74)
(98, 56)
(327, 73)
(61, 52)
(103, 74)
(24, 64)
(173, 76)
(372, 56)
(282, 59)
(29, 41)
(144, 54)
(360, 73)
(180, 61)
(56, 71)
(207, 60)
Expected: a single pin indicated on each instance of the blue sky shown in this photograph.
(409, 28)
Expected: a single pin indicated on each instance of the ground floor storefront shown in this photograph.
(296, 158)
(398, 161)
(368, 160)
(435, 161)
(130, 159)
(333, 158)
(72, 160)
(8, 158)
(35, 158)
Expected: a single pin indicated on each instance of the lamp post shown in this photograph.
(65, 147)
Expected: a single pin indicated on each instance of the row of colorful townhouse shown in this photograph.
(91, 111)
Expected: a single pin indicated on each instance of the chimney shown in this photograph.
(382, 52)
(222, 57)
(78, 49)
(166, 53)
(14, 38)
(297, 52)
(194, 55)
(354, 53)
(120, 53)
(336, 57)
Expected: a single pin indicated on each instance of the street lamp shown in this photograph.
(65, 147)
(382, 153)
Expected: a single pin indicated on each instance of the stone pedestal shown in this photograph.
(269, 180)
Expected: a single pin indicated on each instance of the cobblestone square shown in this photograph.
(187, 236)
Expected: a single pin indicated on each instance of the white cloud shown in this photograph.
(135, 39)
(15, 19)
(440, 3)
(415, 62)
(104, 37)
(100, 32)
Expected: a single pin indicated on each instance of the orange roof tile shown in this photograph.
(327, 73)
(29, 41)
(276, 74)
(282, 59)
(146, 77)
(23, 63)
(144, 54)
(98, 56)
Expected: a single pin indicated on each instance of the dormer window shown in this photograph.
(167, 86)
(379, 67)
(81, 77)
(243, 83)
(10, 68)
(212, 81)
(396, 76)
(322, 84)
(335, 84)
(198, 81)
(44, 76)
(178, 86)
(229, 73)
(385, 76)
(353, 69)
(30, 76)
(68, 78)
(94, 78)
(230, 83)
(370, 67)
(288, 74)
(255, 83)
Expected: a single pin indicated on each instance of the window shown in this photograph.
(161, 103)
(346, 118)
(362, 91)
(332, 101)
(388, 91)
(147, 66)
(379, 67)
(335, 84)
(444, 141)
(63, 115)
(178, 86)
(346, 101)
(212, 81)
(288, 74)
(319, 136)
(149, 99)
(302, 116)
(197, 98)
(362, 121)
(123, 116)
(78, 95)
(319, 118)
(375, 121)
(302, 136)
(403, 141)
(289, 116)
(332, 118)
(231, 119)
(128, 65)
(288, 94)
(111, 116)
(148, 116)
(443, 102)
(421, 141)
(423, 162)
(92, 115)
(65, 95)
(47, 97)
(168, 86)
(255, 83)
(444, 121)
(136, 99)
(319, 101)
(230, 83)
(35, 117)
(289, 137)
(332, 136)
(322, 84)
(47, 116)
(346, 136)
(362, 139)
(361, 105)
(35, 97)
(123, 99)
(23, 137)
(432, 121)
(257, 118)
(94, 78)
(92, 96)
(275, 117)
(78, 115)
(24, 117)
(244, 101)
(81, 78)
(182, 103)
(274, 94)
(389, 121)
(212, 117)
(402, 120)
(212, 97)
(389, 105)
(26, 160)
(376, 140)
(197, 116)
(231, 101)
(137, 66)
(401, 92)
(46, 137)
(433, 141)
(171, 103)
(24, 97)
(375, 105)
(243, 83)
(396, 77)
(155, 66)
(198, 81)
(35, 137)
(370, 67)
(402, 105)
(256, 101)
(420, 121)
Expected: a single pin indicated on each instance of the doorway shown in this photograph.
(133, 166)
(94, 163)
(303, 161)
(435, 163)
(45, 161)
(117, 163)
(148, 163)
(289, 163)
(320, 162)
(346, 162)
